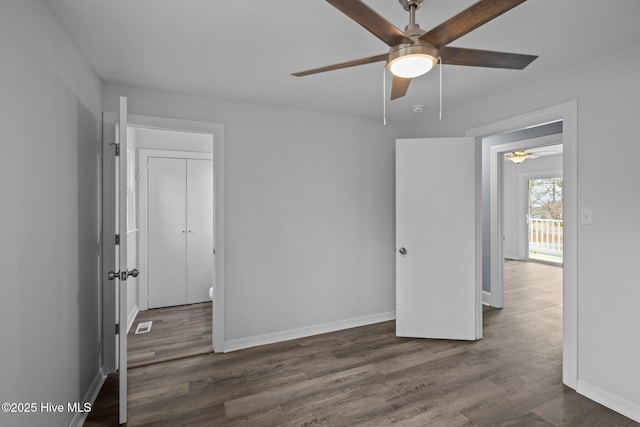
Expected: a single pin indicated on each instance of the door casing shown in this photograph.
(568, 113)
(217, 131)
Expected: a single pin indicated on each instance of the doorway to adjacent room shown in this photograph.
(174, 201)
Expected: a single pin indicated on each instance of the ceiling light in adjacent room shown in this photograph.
(517, 157)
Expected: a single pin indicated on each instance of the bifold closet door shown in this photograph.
(199, 229)
(167, 222)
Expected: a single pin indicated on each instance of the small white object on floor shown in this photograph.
(211, 293)
(144, 327)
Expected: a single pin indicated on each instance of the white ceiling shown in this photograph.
(245, 50)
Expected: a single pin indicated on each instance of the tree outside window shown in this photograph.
(545, 198)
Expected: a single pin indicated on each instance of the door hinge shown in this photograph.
(117, 239)
(117, 150)
(117, 328)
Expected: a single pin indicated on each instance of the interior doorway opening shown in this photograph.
(493, 293)
(525, 234)
(525, 231)
(528, 201)
(171, 237)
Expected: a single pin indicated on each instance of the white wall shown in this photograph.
(49, 220)
(309, 210)
(608, 97)
(160, 139)
(512, 191)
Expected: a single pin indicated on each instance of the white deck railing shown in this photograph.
(546, 235)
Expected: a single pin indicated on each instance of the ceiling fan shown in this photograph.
(414, 52)
(518, 157)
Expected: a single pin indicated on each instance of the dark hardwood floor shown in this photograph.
(176, 332)
(369, 377)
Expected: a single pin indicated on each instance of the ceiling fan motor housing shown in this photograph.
(408, 4)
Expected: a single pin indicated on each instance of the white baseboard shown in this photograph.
(308, 331)
(610, 400)
(80, 417)
(132, 317)
(486, 298)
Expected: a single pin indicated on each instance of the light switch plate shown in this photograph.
(586, 216)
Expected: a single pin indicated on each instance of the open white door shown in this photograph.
(115, 250)
(121, 250)
(438, 292)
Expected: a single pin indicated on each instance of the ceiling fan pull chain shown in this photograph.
(440, 61)
(384, 96)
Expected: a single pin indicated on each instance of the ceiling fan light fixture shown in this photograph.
(409, 60)
(518, 160)
(410, 66)
(518, 157)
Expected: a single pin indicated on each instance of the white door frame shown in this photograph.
(217, 131)
(495, 297)
(568, 113)
(143, 204)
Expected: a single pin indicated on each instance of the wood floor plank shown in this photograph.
(176, 332)
(367, 376)
(278, 396)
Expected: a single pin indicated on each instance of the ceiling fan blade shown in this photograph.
(468, 20)
(399, 87)
(363, 61)
(371, 20)
(484, 58)
(544, 153)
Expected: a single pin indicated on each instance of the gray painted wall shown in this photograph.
(50, 111)
(309, 210)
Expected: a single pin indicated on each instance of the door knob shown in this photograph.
(402, 251)
(122, 275)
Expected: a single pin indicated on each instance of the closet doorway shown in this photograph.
(180, 229)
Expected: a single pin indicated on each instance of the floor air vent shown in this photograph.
(144, 327)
